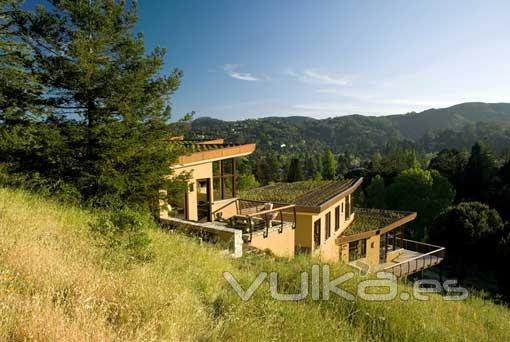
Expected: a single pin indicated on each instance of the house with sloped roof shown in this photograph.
(311, 217)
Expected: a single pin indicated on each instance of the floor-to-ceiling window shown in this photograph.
(177, 199)
(224, 179)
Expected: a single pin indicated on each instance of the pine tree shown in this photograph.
(268, 168)
(107, 97)
(19, 88)
(328, 165)
(295, 172)
(478, 175)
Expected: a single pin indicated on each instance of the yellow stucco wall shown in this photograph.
(199, 171)
(304, 230)
(280, 244)
(329, 250)
(373, 250)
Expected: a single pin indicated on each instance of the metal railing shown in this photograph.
(429, 256)
(253, 216)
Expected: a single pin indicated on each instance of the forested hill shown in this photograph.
(458, 126)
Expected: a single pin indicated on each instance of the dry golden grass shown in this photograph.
(55, 285)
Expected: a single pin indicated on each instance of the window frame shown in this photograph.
(337, 218)
(317, 232)
(219, 174)
(328, 225)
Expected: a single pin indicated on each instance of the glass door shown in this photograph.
(204, 200)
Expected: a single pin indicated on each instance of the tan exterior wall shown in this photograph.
(373, 250)
(280, 244)
(199, 171)
(329, 250)
(304, 230)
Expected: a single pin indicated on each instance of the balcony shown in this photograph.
(406, 257)
(256, 217)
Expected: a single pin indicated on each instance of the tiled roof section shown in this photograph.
(306, 193)
(366, 220)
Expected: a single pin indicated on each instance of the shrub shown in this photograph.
(123, 235)
(34, 182)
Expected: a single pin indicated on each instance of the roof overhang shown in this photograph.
(215, 154)
(364, 235)
(332, 201)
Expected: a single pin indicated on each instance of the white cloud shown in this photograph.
(231, 70)
(312, 76)
(418, 103)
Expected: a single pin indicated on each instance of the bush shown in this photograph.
(124, 235)
(469, 232)
(34, 182)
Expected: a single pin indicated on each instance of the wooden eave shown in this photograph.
(214, 141)
(217, 154)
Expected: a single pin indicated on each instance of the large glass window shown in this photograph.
(224, 179)
(177, 199)
(317, 232)
(357, 249)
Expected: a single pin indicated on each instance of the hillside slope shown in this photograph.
(358, 133)
(55, 285)
(415, 125)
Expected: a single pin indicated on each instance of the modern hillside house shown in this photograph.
(316, 218)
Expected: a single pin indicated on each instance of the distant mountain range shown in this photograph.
(458, 126)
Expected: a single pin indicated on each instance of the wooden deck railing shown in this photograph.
(429, 256)
(252, 216)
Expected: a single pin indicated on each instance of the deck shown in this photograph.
(412, 258)
(410, 262)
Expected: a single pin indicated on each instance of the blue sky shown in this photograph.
(322, 58)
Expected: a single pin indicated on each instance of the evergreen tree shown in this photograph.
(502, 261)
(310, 169)
(500, 197)
(295, 172)
(450, 164)
(376, 193)
(478, 176)
(107, 97)
(20, 90)
(328, 165)
(343, 164)
(268, 168)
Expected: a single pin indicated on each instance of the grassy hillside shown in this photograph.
(56, 285)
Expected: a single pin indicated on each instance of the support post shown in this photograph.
(234, 178)
(222, 180)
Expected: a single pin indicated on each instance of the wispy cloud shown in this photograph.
(313, 76)
(232, 71)
(419, 103)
